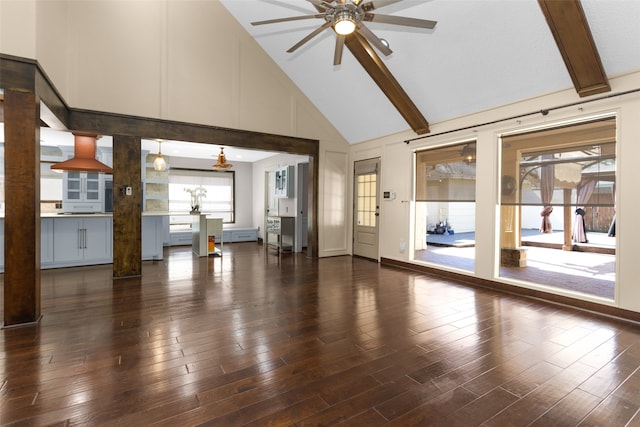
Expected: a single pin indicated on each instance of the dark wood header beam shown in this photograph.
(118, 124)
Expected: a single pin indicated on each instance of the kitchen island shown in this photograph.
(71, 240)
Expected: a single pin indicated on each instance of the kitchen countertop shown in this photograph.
(93, 215)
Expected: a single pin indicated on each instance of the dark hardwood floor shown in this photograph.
(258, 339)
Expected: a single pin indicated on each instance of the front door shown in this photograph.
(366, 196)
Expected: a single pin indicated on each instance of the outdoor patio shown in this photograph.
(589, 270)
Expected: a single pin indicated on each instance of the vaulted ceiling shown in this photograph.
(481, 54)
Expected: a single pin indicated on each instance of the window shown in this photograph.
(558, 207)
(219, 200)
(366, 208)
(445, 194)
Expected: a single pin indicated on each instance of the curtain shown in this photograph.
(612, 227)
(547, 184)
(585, 189)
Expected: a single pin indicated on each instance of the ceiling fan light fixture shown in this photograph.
(222, 161)
(345, 23)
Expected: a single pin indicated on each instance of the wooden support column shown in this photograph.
(312, 208)
(127, 208)
(567, 244)
(22, 208)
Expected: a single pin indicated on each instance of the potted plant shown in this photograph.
(197, 194)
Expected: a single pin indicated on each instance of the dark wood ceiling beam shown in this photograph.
(380, 74)
(571, 31)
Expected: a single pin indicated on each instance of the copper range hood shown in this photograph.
(84, 156)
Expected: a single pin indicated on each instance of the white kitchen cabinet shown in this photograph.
(46, 243)
(76, 240)
(240, 235)
(83, 192)
(284, 185)
(215, 236)
(81, 241)
(152, 238)
(207, 236)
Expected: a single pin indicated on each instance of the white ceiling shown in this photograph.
(482, 54)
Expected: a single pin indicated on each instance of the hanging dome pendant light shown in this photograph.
(222, 161)
(160, 164)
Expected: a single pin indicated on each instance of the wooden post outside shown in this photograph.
(568, 211)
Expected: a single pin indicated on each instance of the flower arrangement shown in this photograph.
(197, 194)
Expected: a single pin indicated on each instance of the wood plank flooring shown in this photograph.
(257, 339)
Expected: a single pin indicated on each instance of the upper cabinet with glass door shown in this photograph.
(83, 192)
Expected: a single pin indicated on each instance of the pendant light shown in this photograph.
(160, 164)
(468, 154)
(222, 161)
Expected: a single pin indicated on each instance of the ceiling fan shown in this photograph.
(347, 17)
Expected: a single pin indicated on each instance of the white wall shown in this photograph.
(397, 176)
(18, 27)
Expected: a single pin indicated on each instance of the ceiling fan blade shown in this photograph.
(291, 18)
(374, 40)
(337, 54)
(310, 36)
(400, 20)
(377, 4)
(321, 4)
